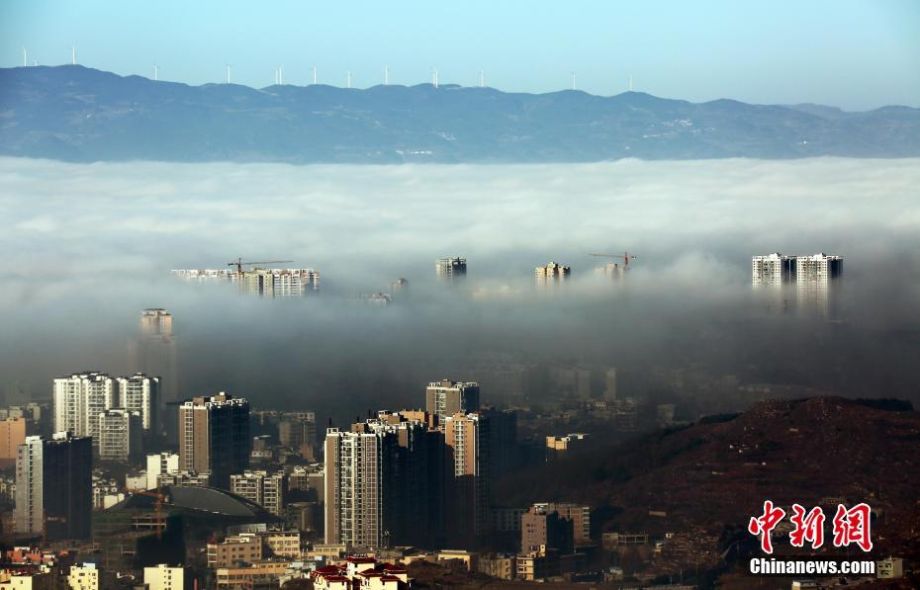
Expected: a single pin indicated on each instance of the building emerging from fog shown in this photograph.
(155, 356)
(267, 282)
(552, 271)
(772, 269)
(445, 397)
(811, 274)
(818, 267)
(776, 268)
(450, 268)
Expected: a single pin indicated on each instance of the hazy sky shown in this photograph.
(86, 247)
(854, 54)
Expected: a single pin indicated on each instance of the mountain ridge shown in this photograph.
(80, 114)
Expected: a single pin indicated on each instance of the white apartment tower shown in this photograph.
(776, 268)
(78, 401)
(140, 393)
(818, 267)
(772, 269)
(354, 484)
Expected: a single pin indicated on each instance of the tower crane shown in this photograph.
(239, 262)
(625, 257)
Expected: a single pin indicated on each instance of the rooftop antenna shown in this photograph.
(348, 79)
(434, 77)
(314, 74)
(25, 57)
(482, 78)
(386, 75)
(73, 55)
(630, 83)
(228, 73)
(156, 72)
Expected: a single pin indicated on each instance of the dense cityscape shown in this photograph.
(460, 295)
(121, 479)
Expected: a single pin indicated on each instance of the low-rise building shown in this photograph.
(499, 566)
(282, 543)
(234, 550)
(83, 577)
(254, 575)
(891, 567)
(164, 577)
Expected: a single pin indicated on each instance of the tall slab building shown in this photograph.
(54, 487)
(214, 437)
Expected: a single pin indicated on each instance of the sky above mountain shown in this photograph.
(853, 54)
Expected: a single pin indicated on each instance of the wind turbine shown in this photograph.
(314, 75)
(630, 83)
(573, 80)
(228, 73)
(73, 55)
(25, 57)
(434, 77)
(156, 72)
(386, 75)
(482, 78)
(348, 79)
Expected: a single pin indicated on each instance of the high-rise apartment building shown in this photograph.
(54, 487)
(818, 267)
(12, 434)
(378, 483)
(155, 356)
(214, 437)
(120, 435)
(78, 401)
(552, 271)
(467, 438)
(265, 489)
(279, 282)
(140, 393)
(355, 464)
(776, 268)
(772, 269)
(450, 268)
(445, 397)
